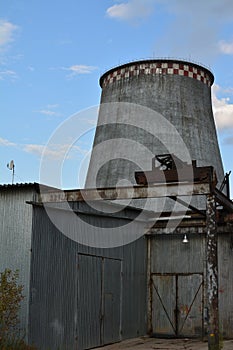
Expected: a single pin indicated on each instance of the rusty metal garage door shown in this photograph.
(177, 305)
(99, 301)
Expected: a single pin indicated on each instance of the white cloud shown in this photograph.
(220, 10)
(79, 69)
(58, 151)
(223, 109)
(131, 10)
(53, 106)
(5, 142)
(203, 22)
(65, 42)
(7, 30)
(34, 149)
(226, 47)
(92, 121)
(49, 110)
(4, 74)
(31, 68)
(54, 152)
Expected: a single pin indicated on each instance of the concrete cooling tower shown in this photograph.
(152, 107)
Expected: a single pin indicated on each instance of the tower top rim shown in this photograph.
(158, 60)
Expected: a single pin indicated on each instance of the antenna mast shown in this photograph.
(11, 166)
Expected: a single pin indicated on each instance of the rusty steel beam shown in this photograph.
(212, 274)
(134, 192)
(223, 200)
(189, 206)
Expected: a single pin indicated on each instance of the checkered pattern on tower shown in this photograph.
(154, 68)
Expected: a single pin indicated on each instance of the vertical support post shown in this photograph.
(149, 287)
(13, 173)
(212, 274)
(228, 183)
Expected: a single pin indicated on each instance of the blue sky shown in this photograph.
(52, 54)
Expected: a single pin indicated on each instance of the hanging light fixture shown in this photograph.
(185, 239)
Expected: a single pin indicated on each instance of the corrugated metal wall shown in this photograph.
(15, 237)
(174, 264)
(74, 286)
(82, 297)
(225, 259)
(177, 289)
(170, 255)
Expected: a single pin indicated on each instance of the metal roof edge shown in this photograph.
(35, 185)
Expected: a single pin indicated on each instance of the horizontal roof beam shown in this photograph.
(134, 192)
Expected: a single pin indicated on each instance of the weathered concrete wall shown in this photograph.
(184, 101)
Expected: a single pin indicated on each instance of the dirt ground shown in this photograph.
(145, 343)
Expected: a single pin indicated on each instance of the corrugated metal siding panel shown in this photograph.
(163, 296)
(170, 255)
(89, 295)
(112, 300)
(190, 305)
(53, 286)
(225, 262)
(15, 237)
(54, 321)
(134, 318)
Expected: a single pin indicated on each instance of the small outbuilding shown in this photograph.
(81, 293)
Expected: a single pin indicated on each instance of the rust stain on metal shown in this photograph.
(184, 310)
(173, 169)
(135, 192)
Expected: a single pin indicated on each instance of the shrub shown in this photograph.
(11, 295)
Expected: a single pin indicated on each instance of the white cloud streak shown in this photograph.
(79, 69)
(8, 74)
(31, 68)
(226, 47)
(222, 109)
(7, 30)
(49, 110)
(133, 9)
(5, 142)
(54, 152)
